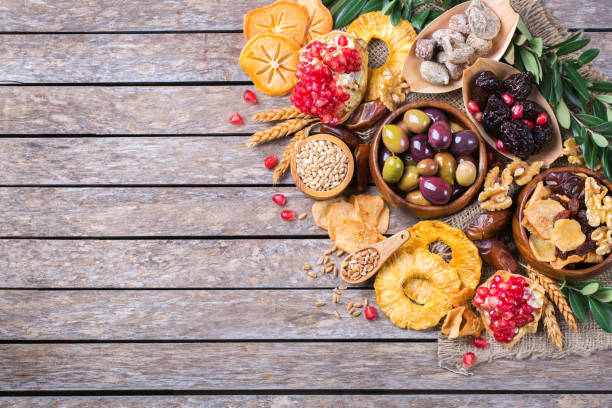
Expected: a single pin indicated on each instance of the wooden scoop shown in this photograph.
(384, 249)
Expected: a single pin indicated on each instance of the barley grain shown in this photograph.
(319, 304)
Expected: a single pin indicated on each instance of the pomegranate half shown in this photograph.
(332, 75)
(510, 306)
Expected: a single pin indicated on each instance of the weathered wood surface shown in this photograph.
(190, 314)
(142, 15)
(161, 211)
(257, 366)
(137, 160)
(317, 401)
(91, 58)
(129, 109)
(214, 263)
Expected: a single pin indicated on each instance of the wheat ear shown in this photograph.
(283, 164)
(280, 114)
(279, 131)
(555, 294)
(552, 326)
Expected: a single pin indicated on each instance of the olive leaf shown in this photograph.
(588, 56)
(604, 295)
(537, 45)
(606, 164)
(601, 86)
(563, 115)
(577, 304)
(572, 46)
(590, 288)
(600, 314)
(522, 27)
(531, 63)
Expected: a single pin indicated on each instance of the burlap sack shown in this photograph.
(590, 337)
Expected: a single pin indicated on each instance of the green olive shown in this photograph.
(427, 167)
(395, 139)
(415, 197)
(417, 120)
(466, 173)
(410, 179)
(393, 169)
(456, 127)
(447, 166)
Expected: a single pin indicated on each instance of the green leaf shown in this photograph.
(537, 45)
(605, 98)
(572, 46)
(407, 14)
(577, 81)
(590, 153)
(558, 85)
(563, 115)
(589, 120)
(588, 56)
(509, 54)
(600, 314)
(599, 109)
(582, 284)
(572, 98)
(601, 86)
(530, 63)
(418, 22)
(606, 164)
(590, 288)
(599, 139)
(609, 113)
(568, 40)
(349, 13)
(389, 7)
(605, 128)
(522, 27)
(396, 14)
(337, 7)
(604, 295)
(577, 303)
(371, 5)
(520, 40)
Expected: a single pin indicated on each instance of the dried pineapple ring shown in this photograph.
(321, 20)
(398, 38)
(419, 290)
(420, 263)
(283, 17)
(465, 260)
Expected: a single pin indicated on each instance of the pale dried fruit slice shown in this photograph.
(283, 17)
(383, 221)
(593, 257)
(543, 249)
(271, 60)
(320, 19)
(541, 192)
(562, 263)
(368, 207)
(462, 321)
(339, 214)
(541, 214)
(320, 210)
(567, 235)
(392, 300)
(418, 290)
(354, 235)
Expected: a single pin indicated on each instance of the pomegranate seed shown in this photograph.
(279, 199)
(529, 123)
(478, 117)
(517, 111)
(473, 107)
(235, 119)
(468, 359)
(508, 99)
(370, 313)
(287, 215)
(482, 291)
(480, 342)
(249, 96)
(542, 119)
(500, 145)
(479, 301)
(270, 161)
(342, 41)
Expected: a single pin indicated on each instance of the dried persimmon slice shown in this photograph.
(321, 20)
(283, 17)
(271, 60)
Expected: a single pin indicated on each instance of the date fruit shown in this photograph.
(487, 224)
(366, 116)
(496, 253)
(346, 136)
(362, 166)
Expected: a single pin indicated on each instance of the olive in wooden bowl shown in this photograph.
(428, 158)
(554, 201)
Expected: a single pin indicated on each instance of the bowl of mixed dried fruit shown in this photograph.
(563, 223)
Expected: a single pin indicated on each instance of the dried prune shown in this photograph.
(541, 136)
(485, 84)
(517, 138)
(566, 183)
(559, 200)
(561, 254)
(584, 223)
(565, 214)
(573, 206)
(495, 113)
(588, 246)
(531, 109)
(519, 85)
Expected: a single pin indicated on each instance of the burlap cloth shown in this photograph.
(590, 337)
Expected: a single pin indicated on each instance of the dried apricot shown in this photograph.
(320, 19)
(543, 249)
(271, 61)
(283, 17)
(541, 214)
(567, 235)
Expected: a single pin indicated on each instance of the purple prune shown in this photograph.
(439, 135)
(464, 142)
(519, 85)
(566, 183)
(542, 135)
(531, 109)
(435, 190)
(485, 84)
(517, 138)
(588, 246)
(495, 113)
(436, 114)
(419, 148)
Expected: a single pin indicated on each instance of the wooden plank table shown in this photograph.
(142, 261)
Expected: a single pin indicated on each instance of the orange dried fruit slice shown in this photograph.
(354, 235)
(543, 249)
(567, 235)
(283, 17)
(340, 213)
(320, 19)
(271, 60)
(383, 221)
(540, 215)
(368, 207)
(320, 211)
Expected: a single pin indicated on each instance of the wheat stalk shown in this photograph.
(552, 326)
(280, 114)
(555, 294)
(281, 130)
(283, 165)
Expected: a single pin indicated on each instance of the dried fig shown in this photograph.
(434, 73)
(444, 33)
(487, 224)
(455, 71)
(483, 21)
(481, 47)
(459, 22)
(495, 253)
(425, 49)
(457, 52)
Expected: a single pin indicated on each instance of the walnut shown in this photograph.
(495, 197)
(603, 237)
(522, 171)
(574, 154)
(392, 89)
(599, 206)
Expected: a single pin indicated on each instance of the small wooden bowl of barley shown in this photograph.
(322, 166)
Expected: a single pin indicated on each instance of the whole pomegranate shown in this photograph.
(332, 77)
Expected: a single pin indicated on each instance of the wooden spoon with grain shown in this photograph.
(375, 255)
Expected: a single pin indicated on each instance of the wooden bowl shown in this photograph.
(522, 241)
(428, 211)
(554, 149)
(508, 18)
(323, 195)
